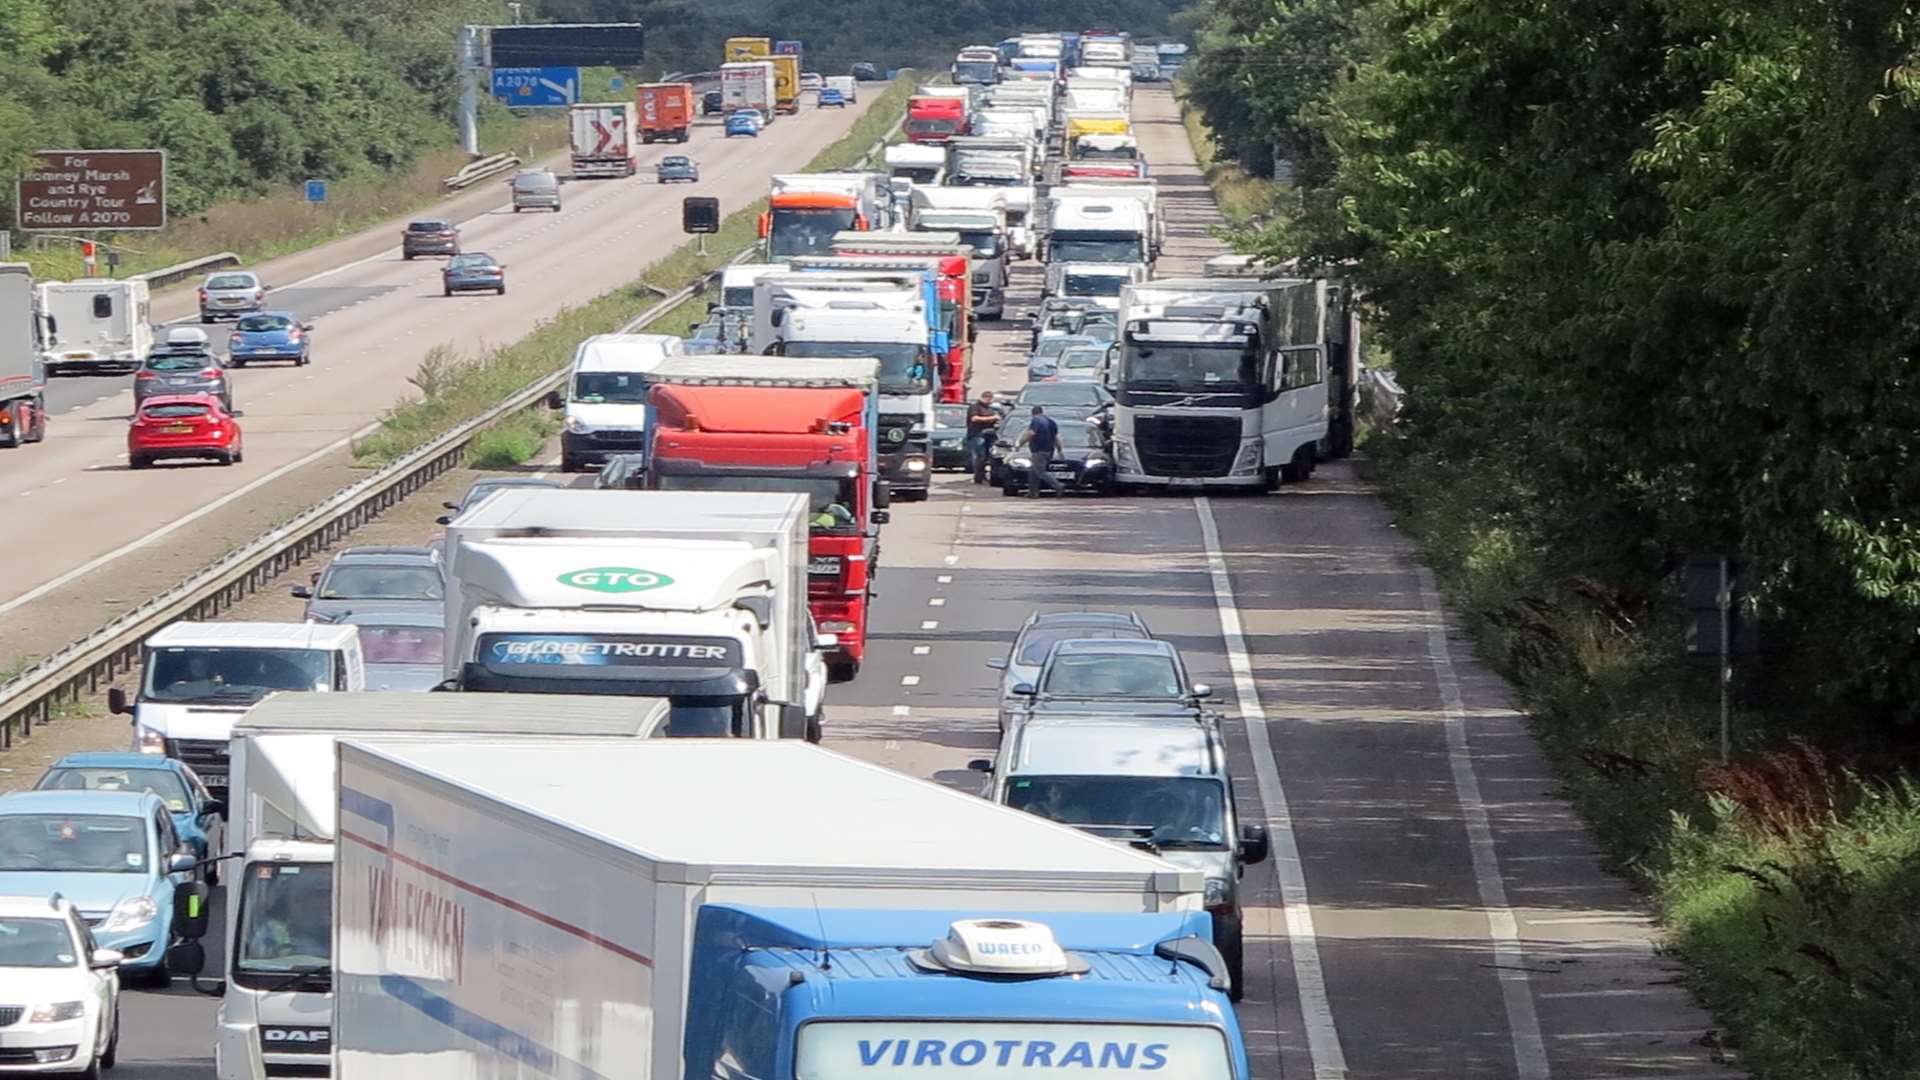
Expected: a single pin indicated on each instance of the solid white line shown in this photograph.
(1316, 1012)
(175, 525)
(1651, 992)
(1523, 1025)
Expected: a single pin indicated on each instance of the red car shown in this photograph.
(182, 426)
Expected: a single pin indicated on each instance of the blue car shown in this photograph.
(832, 97)
(198, 817)
(113, 854)
(744, 122)
(269, 335)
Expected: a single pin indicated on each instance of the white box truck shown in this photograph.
(198, 679)
(98, 326)
(276, 1010)
(603, 134)
(748, 84)
(23, 377)
(775, 910)
(699, 597)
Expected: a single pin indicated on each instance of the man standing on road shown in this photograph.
(1042, 440)
(982, 420)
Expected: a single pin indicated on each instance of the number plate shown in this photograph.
(213, 781)
(824, 565)
(1060, 466)
(177, 429)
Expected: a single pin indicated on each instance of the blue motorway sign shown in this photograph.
(316, 191)
(537, 87)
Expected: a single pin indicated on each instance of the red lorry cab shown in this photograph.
(955, 280)
(666, 111)
(935, 119)
(790, 438)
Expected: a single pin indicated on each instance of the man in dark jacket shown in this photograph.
(1042, 440)
(982, 421)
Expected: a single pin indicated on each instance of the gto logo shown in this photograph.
(614, 579)
(296, 1035)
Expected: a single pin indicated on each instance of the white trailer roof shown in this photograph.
(502, 714)
(725, 803)
(727, 370)
(584, 513)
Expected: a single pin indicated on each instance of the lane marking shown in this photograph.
(922, 650)
(181, 522)
(1316, 1013)
(901, 710)
(943, 579)
(930, 624)
(1523, 1025)
(937, 601)
(1648, 992)
(909, 680)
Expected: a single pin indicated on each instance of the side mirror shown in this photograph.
(180, 862)
(186, 958)
(301, 592)
(824, 642)
(117, 703)
(190, 914)
(883, 495)
(1024, 689)
(880, 517)
(766, 225)
(984, 765)
(451, 505)
(237, 413)
(214, 806)
(1202, 690)
(106, 959)
(443, 519)
(306, 328)
(693, 327)
(997, 663)
(1253, 844)
(555, 401)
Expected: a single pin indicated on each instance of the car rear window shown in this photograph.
(533, 181)
(231, 281)
(173, 412)
(473, 258)
(260, 324)
(178, 363)
(428, 226)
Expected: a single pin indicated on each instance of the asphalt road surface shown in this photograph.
(1432, 910)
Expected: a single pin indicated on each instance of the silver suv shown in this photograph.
(535, 189)
(230, 294)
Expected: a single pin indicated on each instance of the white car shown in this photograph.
(62, 1011)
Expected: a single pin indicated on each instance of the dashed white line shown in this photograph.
(902, 710)
(909, 680)
(944, 579)
(937, 601)
(1316, 1012)
(930, 624)
(922, 650)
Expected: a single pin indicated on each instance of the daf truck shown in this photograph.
(698, 597)
(691, 909)
(276, 1007)
(954, 269)
(23, 377)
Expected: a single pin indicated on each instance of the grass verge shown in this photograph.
(454, 389)
(1245, 200)
(283, 223)
(1790, 882)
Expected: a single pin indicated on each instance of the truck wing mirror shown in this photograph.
(997, 663)
(190, 914)
(883, 495)
(880, 517)
(984, 765)
(214, 806)
(117, 702)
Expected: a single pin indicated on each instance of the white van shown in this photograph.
(606, 398)
(97, 326)
(198, 679)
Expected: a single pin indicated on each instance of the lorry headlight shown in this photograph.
(916, 464)
(1123, 453)
(130, 914)
(576, 426)
(54, 1012)
(1250, 456)
(149, 741)
(1020, 462)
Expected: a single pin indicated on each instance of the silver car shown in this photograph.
(1042, 630)
(389, 576)
(535, 189)
(230, 294)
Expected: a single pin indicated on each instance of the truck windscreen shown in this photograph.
(806, 231)
(238, 675)
(835, 1050)
(1094, 284)
(1095, 247)
(285, 924)
(904, 365)
(1190, 367)
(983, 72)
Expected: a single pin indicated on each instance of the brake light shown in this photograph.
(146, 375)
(234, 339)
(259, 294)
(203, 296)
(210, 373)
(293, 335)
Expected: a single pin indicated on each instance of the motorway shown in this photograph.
(1432, 910)
(85, 530)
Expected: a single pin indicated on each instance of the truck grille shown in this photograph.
(896, 431)
(1187, 445)
(10, 1014)
(208, 757)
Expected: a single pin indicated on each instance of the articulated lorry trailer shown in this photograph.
(691, 909)
(603, 136)
(23, 377)
(276, 1008)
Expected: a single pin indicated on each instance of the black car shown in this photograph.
(865, 72)
(712, 103)
(949, 437)
(429, 236)
(1081, 464)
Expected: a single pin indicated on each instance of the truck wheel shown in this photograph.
(112, 1055)
(138, 463)
(568, 463)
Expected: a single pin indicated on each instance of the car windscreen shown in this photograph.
(231, 281)
(617, 387)
(36, 943)
(1111, 675)
(262, 324)
(84, 843)
(1167, 811)
(807, 231)
(1082, 358)
(403, 644)
(382, 583)
(174, 412)
(235, 674)
(1094, 284)
(166, 783)
(1033, 649)
(534, 181)
(950, 416)
(903, 365)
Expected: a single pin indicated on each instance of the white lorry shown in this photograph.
(978, 216)
(698, 597)
(848, 86)
(603, 136)
(198, 679)
(276, 1009)
(23, 377)
(748, 84)
(923, 163)
(1221, 382)
(691, 909)
(1097, 228)
(99, 326)
(856, 316)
